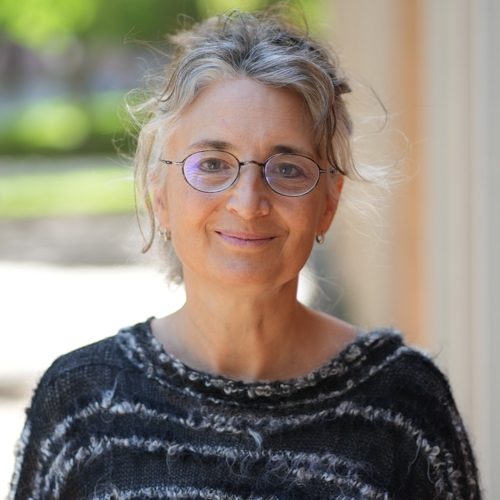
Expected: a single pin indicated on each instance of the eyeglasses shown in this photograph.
(212, 171)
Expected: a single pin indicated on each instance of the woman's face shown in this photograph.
(247, 235)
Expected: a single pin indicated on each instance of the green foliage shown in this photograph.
(63, 124)
(35, 22)
(57, 124)
(89, 122)
(140, 19)
(86, 122)
(103, 108)
(72, 192)
(211, 7)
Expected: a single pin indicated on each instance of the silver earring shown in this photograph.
(320, 238)
(165, 234)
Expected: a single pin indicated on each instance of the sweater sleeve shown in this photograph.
(426, 398)
(463, 473)
(67, 386)
(41, 417)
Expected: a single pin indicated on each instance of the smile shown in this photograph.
(243, 239)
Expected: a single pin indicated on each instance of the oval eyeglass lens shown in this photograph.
(210, 171)
(291, 175)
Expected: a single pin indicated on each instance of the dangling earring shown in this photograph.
(320, 238)
(166, 235)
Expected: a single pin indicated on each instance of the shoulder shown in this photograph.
(385, 352)
(401, 377)
(111, 352)
(400, 391)
(79, 377)
(71, 402)
(102, 353)
(402, 387)
(99, 357)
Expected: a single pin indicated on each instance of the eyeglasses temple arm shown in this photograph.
(168, 162)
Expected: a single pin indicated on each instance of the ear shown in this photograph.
(331, 204)
(160, 207)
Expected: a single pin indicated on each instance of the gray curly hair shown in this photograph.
(265, 47)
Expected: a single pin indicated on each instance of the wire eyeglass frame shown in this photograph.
(240, 164)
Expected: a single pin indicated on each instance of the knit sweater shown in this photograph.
(122, 419)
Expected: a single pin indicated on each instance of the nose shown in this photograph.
(249, 195)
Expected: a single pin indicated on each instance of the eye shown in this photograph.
(288, 170)
(212, 165)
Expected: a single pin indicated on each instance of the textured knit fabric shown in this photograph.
(123, 419)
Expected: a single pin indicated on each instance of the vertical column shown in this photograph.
(461, 42)
(449, 178)
(364, 243)
(437, 266)
(383, 258)
(485, 136)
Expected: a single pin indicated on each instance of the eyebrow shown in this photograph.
(227, 146)
(290, 150)
(211, 144)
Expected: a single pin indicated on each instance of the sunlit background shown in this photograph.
(71, 270)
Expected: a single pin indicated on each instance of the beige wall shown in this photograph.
(379, 40)
(436, 271)
(461, 44)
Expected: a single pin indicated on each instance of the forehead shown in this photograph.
(248, 117)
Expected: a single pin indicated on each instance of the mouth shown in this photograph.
(245, 239)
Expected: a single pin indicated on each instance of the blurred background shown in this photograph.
(71, 270)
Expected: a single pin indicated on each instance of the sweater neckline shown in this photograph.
(149, 355)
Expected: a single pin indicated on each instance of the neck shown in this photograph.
(248, 334)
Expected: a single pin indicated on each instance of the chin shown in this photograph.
(244, 278)
(251, 279)
(244, 274)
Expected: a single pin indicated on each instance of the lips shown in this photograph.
(242, 238)
(245, 236)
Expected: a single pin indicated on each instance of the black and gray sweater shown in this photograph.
(123, 419)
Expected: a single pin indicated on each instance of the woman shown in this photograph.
(244, 393)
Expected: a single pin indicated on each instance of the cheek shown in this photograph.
(302, 222)
(178, 197)
(185, 214)
(304, 226)
(309, 213)
(189, 212)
